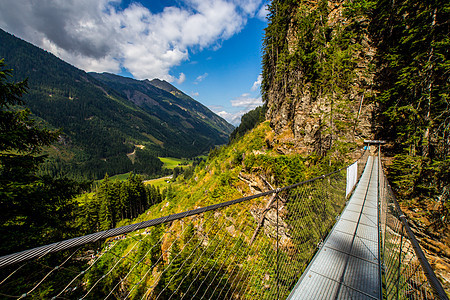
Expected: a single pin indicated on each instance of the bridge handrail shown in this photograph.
(41, 251)
(426, 267)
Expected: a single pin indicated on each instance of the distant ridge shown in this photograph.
(158, 96)
(104, 117)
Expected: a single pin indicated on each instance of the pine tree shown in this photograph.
(35, 209)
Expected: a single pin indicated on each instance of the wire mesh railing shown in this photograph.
(406, 271)
(253, 247)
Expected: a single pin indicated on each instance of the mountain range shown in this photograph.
(109, 123)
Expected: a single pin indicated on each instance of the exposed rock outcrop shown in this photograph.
(321, 85)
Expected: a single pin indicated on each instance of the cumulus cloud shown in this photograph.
(101, 36)
(232, 118)
(263, 12)
(246, 101)
(241, 105)
(257, 84)
(181, 79)
(195, 94)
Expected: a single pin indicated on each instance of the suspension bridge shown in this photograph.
(338, 236)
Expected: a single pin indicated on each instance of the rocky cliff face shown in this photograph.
(317, 75)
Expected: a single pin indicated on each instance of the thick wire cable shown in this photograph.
(110, 270)
(85, 270)
(170, 263)
(190, 270)
(160, 258)
(225, 238)
(48, 274)
(185, 261)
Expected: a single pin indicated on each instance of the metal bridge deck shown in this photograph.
(348, 264)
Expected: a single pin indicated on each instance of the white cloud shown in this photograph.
(257, 84)
(246, 101)
(263, 12)
(181, 79)
(200, 78)
(195, 94)
(232, 118)
(240, 105)
(243, 103)
(99, 36)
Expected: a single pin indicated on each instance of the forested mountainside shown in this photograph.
(335, 72)
(318, 74)
(105, 129)
(196, 124)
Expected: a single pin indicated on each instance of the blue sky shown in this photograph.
(209, 49)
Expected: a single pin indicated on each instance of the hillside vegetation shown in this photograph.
(245, 167)
(109, 124)
(338, 71)
(334, 73)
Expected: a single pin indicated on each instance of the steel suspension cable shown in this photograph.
(156, 263)
(131, 269)
(48, 274)
(225, 238)
(184, 246)
(186, 260)
(111, 269)
(190, 270)
(85, 270)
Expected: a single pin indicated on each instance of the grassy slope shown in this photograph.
(172, 162)
(217, 180)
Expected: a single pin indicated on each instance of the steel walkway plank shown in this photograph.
(347, 266)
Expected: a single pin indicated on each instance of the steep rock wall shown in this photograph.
(317, 75)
